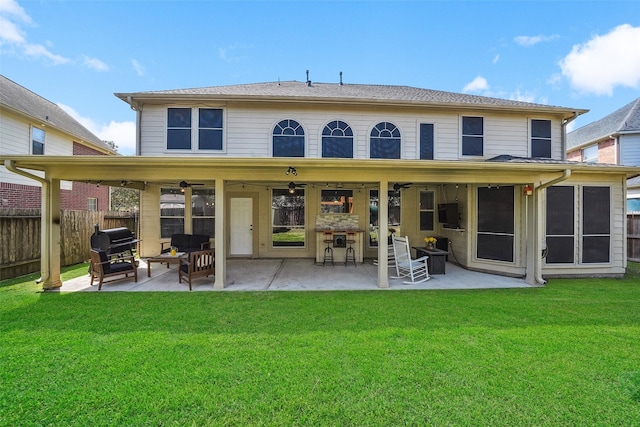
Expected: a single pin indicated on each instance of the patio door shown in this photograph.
(241, 226)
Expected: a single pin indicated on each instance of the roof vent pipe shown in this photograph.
(341, 78)
(308, 81)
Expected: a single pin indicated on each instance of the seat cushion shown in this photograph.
(106, 267)
(118, 267)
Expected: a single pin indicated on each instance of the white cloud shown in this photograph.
(95, 64)
(476, 85)
(496, 58)
(12, 8)
(533, 40)
(138, 67)
(604, 62)
(123, 134)
(12, 36)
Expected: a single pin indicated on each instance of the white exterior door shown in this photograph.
(241, 226)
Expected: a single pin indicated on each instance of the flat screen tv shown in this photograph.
(448, 215)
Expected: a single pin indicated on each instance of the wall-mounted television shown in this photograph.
(448, 215)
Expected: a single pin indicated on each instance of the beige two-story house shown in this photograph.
(264, 168)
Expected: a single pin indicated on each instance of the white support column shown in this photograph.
(50, 236)
(221, 237)
(383, 230)
(532, 247)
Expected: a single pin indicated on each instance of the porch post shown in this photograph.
(383, 229)
(50, 236)
(531, 215)
(221, 237)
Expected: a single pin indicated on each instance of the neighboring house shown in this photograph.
(614, 139)
(32, 125)
(264, 168)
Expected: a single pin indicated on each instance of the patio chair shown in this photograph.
(414, 269)
(195, 265)
(102, 267)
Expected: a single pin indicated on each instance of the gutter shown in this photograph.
(563, 134)
(565, 175)
(45, 264)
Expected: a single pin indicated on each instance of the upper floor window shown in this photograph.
(210, 129)
(590, 154)
(288, 139)
(472, 136)
(337, 140)
(385, 141)
(541, 138)
(426, 141)
(179, 128)
(37, 140)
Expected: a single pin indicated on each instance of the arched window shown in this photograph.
(337, 140)
(385, 141)
(288, 139)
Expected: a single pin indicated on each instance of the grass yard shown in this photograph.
(567, 354)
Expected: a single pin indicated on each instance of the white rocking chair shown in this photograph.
(414, 269)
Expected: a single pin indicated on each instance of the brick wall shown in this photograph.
(19, 196)
(29, 196)
(575, 156)
(607, 152)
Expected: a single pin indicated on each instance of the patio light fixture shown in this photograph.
(527, 191)
(292, 170)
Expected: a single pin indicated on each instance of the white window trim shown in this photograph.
(194, 130)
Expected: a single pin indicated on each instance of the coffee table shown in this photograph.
(163, 258)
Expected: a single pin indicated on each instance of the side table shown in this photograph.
(436, 261)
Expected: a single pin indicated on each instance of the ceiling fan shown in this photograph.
(293, 186)
(397, 186)
(184, 185)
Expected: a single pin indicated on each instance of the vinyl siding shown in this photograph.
(630, 150)
(15, 138)
(247, 131)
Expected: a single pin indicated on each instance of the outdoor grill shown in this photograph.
(114, 241)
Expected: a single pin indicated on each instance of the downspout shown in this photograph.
(137, 107)
(563, 135)
(46, 268)
(538, 189)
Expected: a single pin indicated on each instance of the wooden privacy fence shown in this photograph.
(20, 237)
(633, 237)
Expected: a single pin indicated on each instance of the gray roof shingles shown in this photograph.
(24, 101)
(625, 119)
(292, 90)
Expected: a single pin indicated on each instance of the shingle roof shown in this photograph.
(625, 119)
(22, 100)
(295, 90)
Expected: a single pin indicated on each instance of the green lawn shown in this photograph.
(567, 354)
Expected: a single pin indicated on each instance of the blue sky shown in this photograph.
(582, 54)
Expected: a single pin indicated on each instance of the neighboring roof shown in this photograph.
(625, 119)
(634, 182)
(295, 91)
(25, 102)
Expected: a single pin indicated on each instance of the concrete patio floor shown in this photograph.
(292, 275)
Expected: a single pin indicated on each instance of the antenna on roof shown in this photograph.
(341, 78)
(308, 81)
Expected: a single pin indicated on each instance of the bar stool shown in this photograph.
(327, 237)
(351, 253)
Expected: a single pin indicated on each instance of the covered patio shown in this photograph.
(287, 274)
